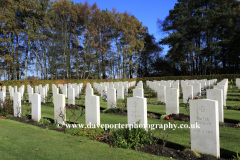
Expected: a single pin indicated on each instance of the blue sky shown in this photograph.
(146, 11)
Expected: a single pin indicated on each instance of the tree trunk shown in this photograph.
(18, 65)
(13, 59)
(26, 58)
(131, 67)
(193, 70)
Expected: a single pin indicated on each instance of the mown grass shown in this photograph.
(23, 142)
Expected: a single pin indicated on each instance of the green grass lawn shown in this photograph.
(27, 137)
(20, 141)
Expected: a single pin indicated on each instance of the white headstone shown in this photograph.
(172, 101)
(137, 111)
(206, 138)
(89, 90)
(224, 93)
(161, 93)
(17, 110)
(15, 89)
(92, 109)
(4, 89)
(217, 94)
(36, 106)
(187, 91)
(175, 85)
(59, 109)
(64, 90)
(71, 96)
(111, 98)
(120, 92)
(2, 97)
(138, 92)
(36, 89)
(238, 82)
(196, 89)
(103, 92)
(30, 93)
(42, 93)
(126, 89)
(76, 91)
(55, 92)
(11, 93)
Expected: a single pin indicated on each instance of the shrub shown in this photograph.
(7, 108)
(44, 121)
(111, 110)
(126, 138)
(121, 104)
(130, 90)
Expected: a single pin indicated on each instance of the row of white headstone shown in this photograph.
(71, 91)
(43, 91)
(109, 91)
(190, 88)
(121, 88)
(36, 99)
(167, 92)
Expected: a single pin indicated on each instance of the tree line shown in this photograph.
(204, 37)
(63, 40)
(66, 40)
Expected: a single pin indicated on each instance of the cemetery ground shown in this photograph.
(40, 141)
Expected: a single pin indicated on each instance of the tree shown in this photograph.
(148, 56)
(199, 35)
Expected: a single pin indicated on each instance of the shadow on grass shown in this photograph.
(223, 152)
(157, 114)
(231, 121)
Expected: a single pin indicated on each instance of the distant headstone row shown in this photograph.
(112, 91)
